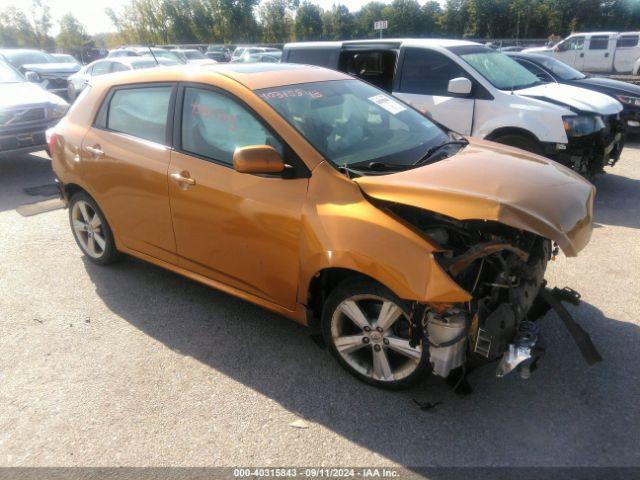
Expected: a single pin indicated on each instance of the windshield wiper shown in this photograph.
(433, 150)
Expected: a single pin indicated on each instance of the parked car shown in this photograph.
(64, 58)
(326, 200)
(219, 53)
(78, 81)
(41, 68)
(219, 57)
(474, 90)
(266, 57)
(192, 55)
(549, 69)
(145, 51)
(26, 111)
(240, 51)
(612, 52)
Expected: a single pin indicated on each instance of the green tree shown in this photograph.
(276, 21)
(41, 15)
(73, 34)
(308, 22)
(337, 23)
(405, 18)
(364, 19)
(431, 13)
(15, 29)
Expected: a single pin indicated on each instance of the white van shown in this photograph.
(603, 52)
(477, 91)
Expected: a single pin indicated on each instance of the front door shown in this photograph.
(424, 82)
(239, 229)
(125, 159)
(571, 52)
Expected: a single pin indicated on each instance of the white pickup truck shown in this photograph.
(610, 52)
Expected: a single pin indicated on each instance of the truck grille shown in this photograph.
(21, 116)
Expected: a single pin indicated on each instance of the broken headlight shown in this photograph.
(581, 125)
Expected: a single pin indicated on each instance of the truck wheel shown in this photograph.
(520, 141)
(366, 327)
(91, 230)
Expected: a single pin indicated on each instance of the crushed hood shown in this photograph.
(573, 97)
(488, 181)
(53, 68)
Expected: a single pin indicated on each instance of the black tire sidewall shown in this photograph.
(110, 254)
(352, 287)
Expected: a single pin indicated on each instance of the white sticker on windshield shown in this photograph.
(389, 105)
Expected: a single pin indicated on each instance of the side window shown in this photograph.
(319, 57)
(119, 67)
(101, 68)
(599, 42)
(577, 43)
(141, 112)
(628, 41)
(214, 125)
(536, 70)
(428, 73)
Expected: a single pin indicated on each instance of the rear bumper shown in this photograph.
(25, 138)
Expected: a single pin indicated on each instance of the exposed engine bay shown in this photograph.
(503, 269)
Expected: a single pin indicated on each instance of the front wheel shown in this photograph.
(91, 230)
(367, 329)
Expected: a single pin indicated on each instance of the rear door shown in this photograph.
(597, 54)
(423, 80)
(627, 52)
(125, 158)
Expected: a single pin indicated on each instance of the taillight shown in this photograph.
(51, 141)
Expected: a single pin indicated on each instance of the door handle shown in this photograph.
(183, 179)
(581, 55)
(606, 55)
(95, 151)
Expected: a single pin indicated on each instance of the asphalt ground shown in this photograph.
(136, 366)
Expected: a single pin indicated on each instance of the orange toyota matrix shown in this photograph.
(323, 198)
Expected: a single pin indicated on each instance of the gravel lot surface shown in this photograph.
(133, 365)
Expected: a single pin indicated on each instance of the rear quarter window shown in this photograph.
(141, 112)
(628, 41)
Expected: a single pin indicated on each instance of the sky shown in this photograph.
(91, 12)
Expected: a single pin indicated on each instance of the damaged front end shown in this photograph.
(503, 270)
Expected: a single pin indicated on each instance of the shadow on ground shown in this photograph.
(552, 419)
(18, 172)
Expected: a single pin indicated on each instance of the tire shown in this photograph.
(385, 358)
(91, 230)
(520, 141)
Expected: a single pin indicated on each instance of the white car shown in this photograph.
(193, 55)
(604, 52)
(477, 91)
(79, 80)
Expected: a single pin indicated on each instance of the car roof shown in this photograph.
(252, 75)
(406, 42)
(532, 56)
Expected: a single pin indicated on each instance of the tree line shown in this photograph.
(279, 21)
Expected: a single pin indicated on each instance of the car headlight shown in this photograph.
(581, 125)
(58, 110)
(635, 101)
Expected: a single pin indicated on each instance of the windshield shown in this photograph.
(564, 71)
(9, 75)
(25, 57)
(350, 122)
(194, 54)
(502, 71)
(65, 58)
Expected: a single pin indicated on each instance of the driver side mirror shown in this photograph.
(257, 159)
(32, 76)
(460, 86)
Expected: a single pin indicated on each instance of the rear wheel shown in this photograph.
(367, 329)
(520, 141)
(91, 230)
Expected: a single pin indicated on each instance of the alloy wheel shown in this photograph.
(371, 334)
(88, 229)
